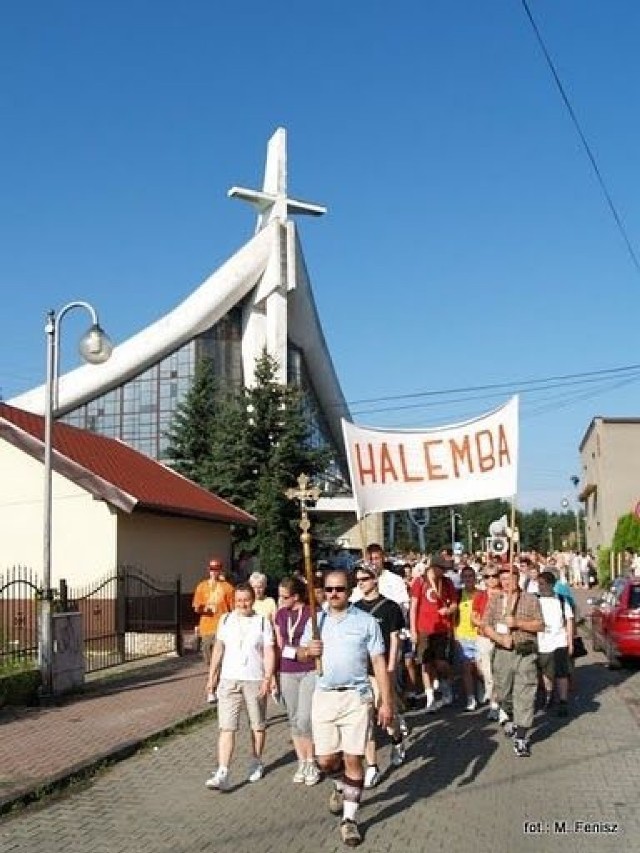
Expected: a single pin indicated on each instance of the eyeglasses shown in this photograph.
(364, 579)
(335, 589)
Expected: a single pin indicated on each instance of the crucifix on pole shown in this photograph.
(303, 494)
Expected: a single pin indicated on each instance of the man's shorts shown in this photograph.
(466, 651)
(341, 721)
(232, 695)
(555, 664)
(433, 648)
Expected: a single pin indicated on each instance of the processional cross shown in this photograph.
(303, 494)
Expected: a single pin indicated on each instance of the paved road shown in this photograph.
(462, 789)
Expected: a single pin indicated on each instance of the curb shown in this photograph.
(84, 770)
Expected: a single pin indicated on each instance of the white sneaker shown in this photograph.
(312, 774)
(256, 771)
(433, 705)
(472, 704)
(219, 780)
(402, 725)
(398, 754)
(503, 717)
(371, 776)
(300, 776)
(436, 683)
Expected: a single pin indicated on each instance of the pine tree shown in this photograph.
(194, 425)
(248, 447)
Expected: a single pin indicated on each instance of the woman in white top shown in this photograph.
(242, 667)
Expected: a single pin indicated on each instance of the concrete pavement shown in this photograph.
(461, 789)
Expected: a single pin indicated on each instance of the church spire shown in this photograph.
(272, 201)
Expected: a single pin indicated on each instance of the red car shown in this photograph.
(615, 621)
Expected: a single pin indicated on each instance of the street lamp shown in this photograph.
(550, 531)
(452, 517)
(95, 348)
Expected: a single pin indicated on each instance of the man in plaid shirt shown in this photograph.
(512, 620)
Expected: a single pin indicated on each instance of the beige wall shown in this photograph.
(164, 546)
(83, 529)
(611, 461)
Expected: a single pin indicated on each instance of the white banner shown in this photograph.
(402, 469)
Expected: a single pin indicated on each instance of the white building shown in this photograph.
(112, 507)
(260, 298)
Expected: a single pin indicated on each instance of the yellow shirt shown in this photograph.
(464, 630)
(265, 607)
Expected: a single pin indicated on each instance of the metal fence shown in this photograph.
(126, 616)
(20, 592)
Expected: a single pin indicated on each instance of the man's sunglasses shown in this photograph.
(335, 589)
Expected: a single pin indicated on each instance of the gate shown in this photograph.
(126, 616)
(19, 604)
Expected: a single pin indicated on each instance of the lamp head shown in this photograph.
(95, 345)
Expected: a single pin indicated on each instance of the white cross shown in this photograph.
(272, 202)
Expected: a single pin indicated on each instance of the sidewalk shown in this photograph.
(46, 746)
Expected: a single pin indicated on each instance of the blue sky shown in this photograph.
(467, 241)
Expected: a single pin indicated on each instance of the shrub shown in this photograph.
(19, 687)
(604, 567)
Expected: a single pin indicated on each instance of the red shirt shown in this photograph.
(431, 598)
(480, 600)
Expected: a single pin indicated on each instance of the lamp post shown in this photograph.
(550, 532)
(452, 517)
(95, 348)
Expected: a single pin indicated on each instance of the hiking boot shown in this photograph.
(311, 774)
(371, 776)
(350, 833)
(521, 747)
(219, 780)
(336, 799)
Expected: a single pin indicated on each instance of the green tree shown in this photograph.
(627, 534)
(248, 447)
(194, 425)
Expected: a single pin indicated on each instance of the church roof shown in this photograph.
(114, 472)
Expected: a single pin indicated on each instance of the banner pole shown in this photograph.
(512, 525)
(363, 544)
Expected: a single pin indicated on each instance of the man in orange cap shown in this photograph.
(211, 600)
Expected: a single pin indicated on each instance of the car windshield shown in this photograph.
(634, 597)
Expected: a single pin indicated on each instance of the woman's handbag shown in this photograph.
(579, 648)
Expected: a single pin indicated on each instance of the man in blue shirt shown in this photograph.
(341, 714)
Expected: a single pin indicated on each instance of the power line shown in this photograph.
(583, 139)
(545, 383)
